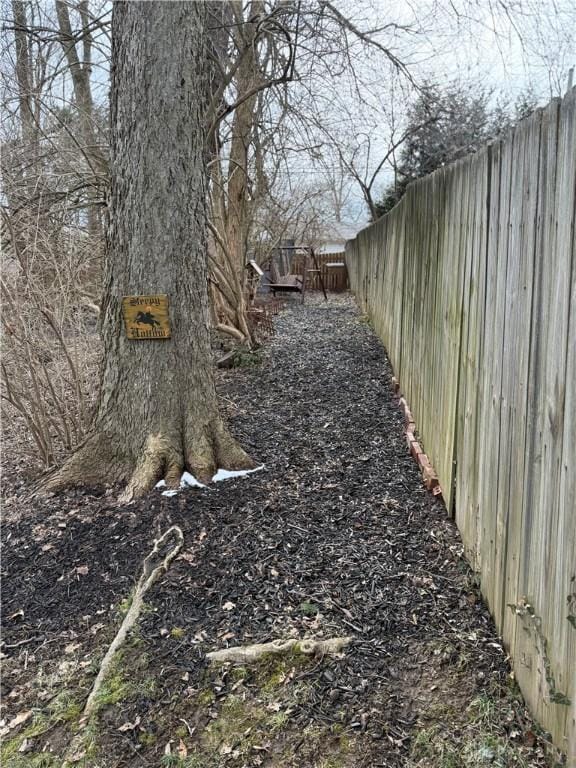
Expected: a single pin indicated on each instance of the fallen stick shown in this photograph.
(150, 574)
(309, 646)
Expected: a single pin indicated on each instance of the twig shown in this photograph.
(22, 642)
(150, 574)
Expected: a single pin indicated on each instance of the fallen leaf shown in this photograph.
(82, 570)
(77, 756)
(529, 738)
(229, 606)
(130, 726)
(20, 718)
(182, 751)
(71, 647)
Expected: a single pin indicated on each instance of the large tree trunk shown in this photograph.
(157, 413)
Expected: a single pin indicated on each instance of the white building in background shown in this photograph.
(332, 236)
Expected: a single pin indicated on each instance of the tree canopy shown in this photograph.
(445, 124)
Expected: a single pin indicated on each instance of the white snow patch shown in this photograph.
(189, 481)
(226, 474)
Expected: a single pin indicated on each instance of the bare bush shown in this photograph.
(50, 347)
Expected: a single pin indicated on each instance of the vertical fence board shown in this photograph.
(470, 395)
(490, 381)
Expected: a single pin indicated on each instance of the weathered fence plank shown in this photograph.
(471, 284)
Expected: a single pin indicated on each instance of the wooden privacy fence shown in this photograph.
(470, 282)
(335, 278)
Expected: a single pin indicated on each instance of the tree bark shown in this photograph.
(157, 413)
(242, 129)
(80, 73)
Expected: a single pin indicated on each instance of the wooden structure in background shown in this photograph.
(470, 281)
(334, 278)
(302, 267)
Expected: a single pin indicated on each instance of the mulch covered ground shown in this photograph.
(335, 536)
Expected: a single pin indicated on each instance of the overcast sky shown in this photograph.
(508, 46)
(504, 45)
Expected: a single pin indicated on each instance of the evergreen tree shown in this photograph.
(446, 125)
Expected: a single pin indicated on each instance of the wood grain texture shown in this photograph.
(146, 317)
(470, 282)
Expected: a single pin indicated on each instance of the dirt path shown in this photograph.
(336, 536)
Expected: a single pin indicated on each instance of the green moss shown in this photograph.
(308, 609)
(123, 682)
(273, 669)
(246, 358)
(236, 724)
(273, 681)
(123, 606)
(146, 687)
(64, 708)
(135, 641)
(440, 711)
(171, 761)
(114, 689)
(345, 743)
(30, 760)
(10, 747)
(205, 697)
(199, 759)
(40, 725)
(146, 738)
(423, 744)
(238, 673)
(330, 762)
(277, 721)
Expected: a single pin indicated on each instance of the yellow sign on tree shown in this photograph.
(146, 317)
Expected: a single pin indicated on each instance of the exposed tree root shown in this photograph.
(246, 653)
(151, 572)
(160, 459)
(91, 465)
(201, 451)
